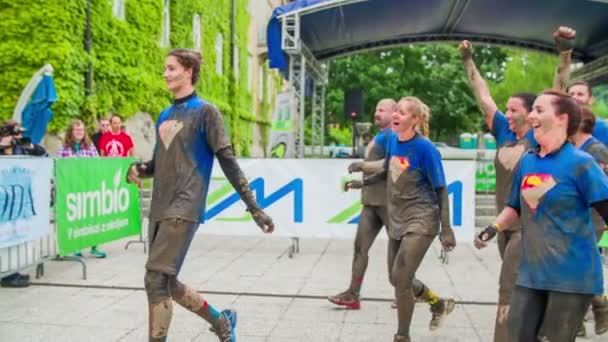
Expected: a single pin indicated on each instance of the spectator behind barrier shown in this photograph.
(12, 142)
(78, 144)
(116, 143)
(103, 127)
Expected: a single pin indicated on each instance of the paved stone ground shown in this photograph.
(277, 298)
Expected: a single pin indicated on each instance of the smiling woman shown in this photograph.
(554, 118)
(552, 190)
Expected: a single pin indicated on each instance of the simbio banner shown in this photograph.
(94, 202)
(25, 199)
(305, 199)
(486, 176)
(282, 134)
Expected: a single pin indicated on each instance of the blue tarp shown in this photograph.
(278, 59)
(37, 113)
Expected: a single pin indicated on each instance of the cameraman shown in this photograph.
(12, 142)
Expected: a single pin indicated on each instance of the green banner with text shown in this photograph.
(94, 203)
(485, 179)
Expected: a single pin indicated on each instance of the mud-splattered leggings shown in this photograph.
(406, 255)
(169, 242)
(539, 315)
(371, 221)
(509, 246)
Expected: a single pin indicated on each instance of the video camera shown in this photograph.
(13, 129)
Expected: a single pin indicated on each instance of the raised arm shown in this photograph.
(480, 88)
(564, 41)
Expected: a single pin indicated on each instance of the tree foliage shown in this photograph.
(127, 59)
(525, 71)
(600, 106)
(433, 73)
(34, 34)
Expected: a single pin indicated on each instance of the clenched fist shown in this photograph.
(353, 184)
(564, 38)
(133, 173)
(263, 221)
(466, 49)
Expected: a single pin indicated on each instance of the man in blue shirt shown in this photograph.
(373, 213)
(581, 91)
(190, 133)
(586, 142)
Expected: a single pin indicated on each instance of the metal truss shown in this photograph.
(595, 72)
(302, 66)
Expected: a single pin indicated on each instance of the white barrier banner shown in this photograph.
(25, 195)
(305, 199)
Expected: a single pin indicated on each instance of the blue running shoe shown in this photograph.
(97, 253)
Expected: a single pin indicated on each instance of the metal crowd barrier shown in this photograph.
(33, 254)
(27, 255)
(145, 194)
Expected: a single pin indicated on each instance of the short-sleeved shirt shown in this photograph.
(600, 130)
(189, 133)
(414, 172)
(116, 145)
(78, 150)
(599, 152)
(375, 194)
(509, 152)
(554, 194)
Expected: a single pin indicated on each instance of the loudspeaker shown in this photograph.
(353, 103)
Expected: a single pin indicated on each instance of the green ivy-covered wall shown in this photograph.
(35, 33)
(127, 59)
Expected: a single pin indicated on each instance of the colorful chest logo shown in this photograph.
(534, 187)
(168, 130)
(397, 166)
(509, 156)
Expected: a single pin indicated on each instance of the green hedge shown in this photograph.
(127, 60)
(35, 33)
(126, 57)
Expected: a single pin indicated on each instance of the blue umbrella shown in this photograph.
(37, 113)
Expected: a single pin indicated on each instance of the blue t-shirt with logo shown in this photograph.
(414, 172)
(554, 195)
(422, 157)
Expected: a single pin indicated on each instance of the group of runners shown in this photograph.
(550, 170)
(549, 178)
